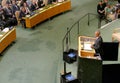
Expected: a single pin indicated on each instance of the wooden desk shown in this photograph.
(7, 39)
(47, 12)
(81, 51)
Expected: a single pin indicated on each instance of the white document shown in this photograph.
(87, 46)
(60, 0)
(5, 30)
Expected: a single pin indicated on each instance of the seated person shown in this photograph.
(33, 6)
(27, 8)
(117, 8)
(52, 1)
(109, 13)
(3, 3)
(49, 2)
(29, 2)
(14, 7)
(21, 15)
(2, 19)
(22, 2)
(40, 3)
(8, 11)
(100, 10)
(10, 18)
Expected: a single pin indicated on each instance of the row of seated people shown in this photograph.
(7, 17)
(13, 10)
(108, 11)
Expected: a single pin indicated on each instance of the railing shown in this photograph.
(67, 38)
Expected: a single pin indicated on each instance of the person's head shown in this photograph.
(97, 33)
(22, 8)
(25, 4)
(13, 2)
(100, 3)
(108, 6)
(106, 1)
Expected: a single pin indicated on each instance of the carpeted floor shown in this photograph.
(36, 57)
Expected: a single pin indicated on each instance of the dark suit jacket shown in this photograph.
(33, 7)
(98, 45)
(22, 14)
(15, 8)
(8, 13)
(40, 2)
(49, 1)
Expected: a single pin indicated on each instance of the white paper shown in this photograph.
(5, 30)
(87, 46)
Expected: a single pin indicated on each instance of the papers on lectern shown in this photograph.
(60, 0)
(87, 46)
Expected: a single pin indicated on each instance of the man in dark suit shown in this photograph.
(33, 6)
(14, 7)
(8, 11)
(21, 15)
(98, 43)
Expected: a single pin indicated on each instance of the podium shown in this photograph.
(91, 69)
(89, 66)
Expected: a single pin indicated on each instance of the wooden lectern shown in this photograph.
(89, 67)
(84, 49)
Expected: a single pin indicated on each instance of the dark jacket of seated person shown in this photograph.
(51, 1)
(21, 15)
(14, 6)
(33, 7)
(40, 3)
(8, 13)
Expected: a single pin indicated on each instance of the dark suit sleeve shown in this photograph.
(97, 43)
(97, 8)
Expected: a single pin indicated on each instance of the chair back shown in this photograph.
(17, 13)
